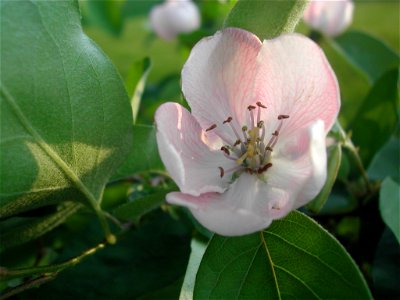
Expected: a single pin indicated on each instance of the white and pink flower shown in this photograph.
(174, 17)
(253, 147)
(331, 17)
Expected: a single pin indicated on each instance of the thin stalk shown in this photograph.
(6, 274)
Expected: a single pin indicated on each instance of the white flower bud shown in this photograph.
(330, 17)
(174, 17)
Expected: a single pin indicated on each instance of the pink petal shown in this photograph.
(183, 149)
(296, 79)
(249, 205)
(218, 79)
(299, 163)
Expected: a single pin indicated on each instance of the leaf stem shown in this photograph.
(348, 144)
(6, 274)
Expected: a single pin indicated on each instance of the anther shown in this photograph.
(227, 120)
(259, 104)
(251, 107)
(244, 128)
(237, 143)
(225, 150)
(275, 133)
(280, 117)
(264, 168)
(221, 171)
(268, 148)
(260, 124)
(213, 126)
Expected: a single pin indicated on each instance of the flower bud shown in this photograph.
(174, 17)
(329, 17)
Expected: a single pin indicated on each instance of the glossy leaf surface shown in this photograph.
(293, 258)
(266, 19)
(65, 116)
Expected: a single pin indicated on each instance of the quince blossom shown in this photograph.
(174, 17)
(253, 147)
(329, 17)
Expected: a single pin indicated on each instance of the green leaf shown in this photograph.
(198, 248)
(294, 258)
(144, 155)
(16, 231)
(368, 54)
(386, 267)
(266, 19)
(389, 205)
(377, 117)
(105, 13)
(135, 83)
(386, 162)
(334, 160)
(133, 210)
(147, 259)
(65, 116)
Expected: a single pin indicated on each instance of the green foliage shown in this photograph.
(376, 61)
(65, 118)
(377, 118)
(334, 160)
(138, 207)
(144, 155)
(293, 258)
(386, 267)
(135, 83)
(150, 258)
(389, 205)
(17, 231)
(386, 162)
(106, 13)
(266, 19)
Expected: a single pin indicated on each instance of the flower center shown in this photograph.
(250, 151)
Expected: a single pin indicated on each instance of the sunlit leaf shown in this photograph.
(266, 19)
(135, 83)
(198, 248)
(65, 116)
(389, 205)
(294, 258)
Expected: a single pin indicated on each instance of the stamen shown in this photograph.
(259, 104)
(227, 120)
(251, 108)
(244, 130)
(225, 150)
(213, 126)
(264, 168)
(221, 171)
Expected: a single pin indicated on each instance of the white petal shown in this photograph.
(192, 164)
(218, 79)
(296, 79)
(300, 163)
(249, 205)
